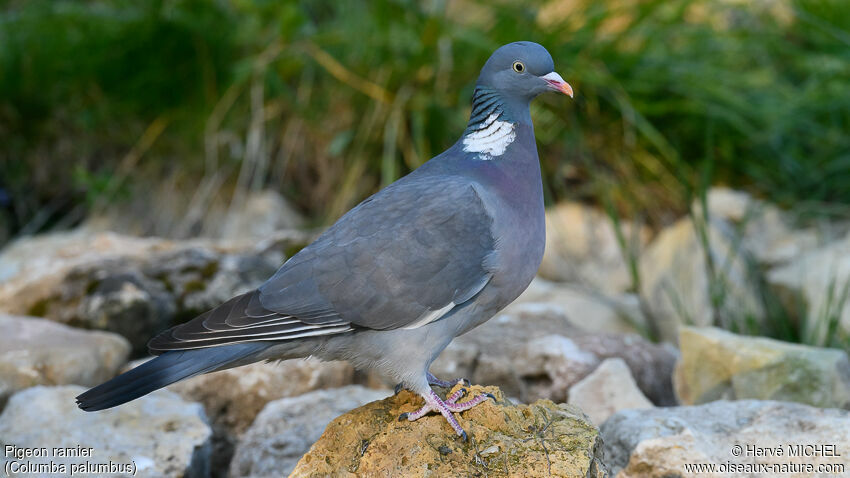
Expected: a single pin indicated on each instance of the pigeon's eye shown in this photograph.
(519, 67)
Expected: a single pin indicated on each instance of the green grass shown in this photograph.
(326, 101)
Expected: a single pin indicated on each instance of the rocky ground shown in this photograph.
(581, 390)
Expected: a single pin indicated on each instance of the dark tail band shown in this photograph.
(162, 371)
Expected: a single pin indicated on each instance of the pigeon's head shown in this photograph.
(522, 70)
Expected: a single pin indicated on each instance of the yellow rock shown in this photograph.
(541, 439)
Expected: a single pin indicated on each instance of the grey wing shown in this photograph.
(403, 258)
(243, 319)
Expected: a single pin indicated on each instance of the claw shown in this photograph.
(466, 382)
(463, 436)
(398, 388)
(403, 416)
(490, 395)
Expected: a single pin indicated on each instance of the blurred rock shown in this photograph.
(260, 215)
(815, 289)
(582, 247)
(766, 231)
(676, 279)
(40, 352)
(251, 215)
(716, 364)
(609, 389)
(159, 434)
(543, 439)
(548, 367)
(659, 442)
(232, 398)
(588, 310)
(131, 286)
(286, 428)
(536, 352)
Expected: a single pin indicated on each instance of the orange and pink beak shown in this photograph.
(557, 83)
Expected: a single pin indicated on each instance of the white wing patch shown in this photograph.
(431, 316)
(492, 139)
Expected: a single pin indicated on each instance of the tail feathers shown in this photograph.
(162, 371)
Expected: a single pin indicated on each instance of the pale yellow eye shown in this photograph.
(519, 67)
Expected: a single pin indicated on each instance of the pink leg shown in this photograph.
(436, 404)
(456, 396)
(459, 407)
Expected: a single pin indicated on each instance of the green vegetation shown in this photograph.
(325, 101)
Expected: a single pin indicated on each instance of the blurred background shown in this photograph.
(158, 157)
(116, 108)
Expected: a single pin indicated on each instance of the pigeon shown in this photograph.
(394, 280)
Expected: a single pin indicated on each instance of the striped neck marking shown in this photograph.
(491, 139)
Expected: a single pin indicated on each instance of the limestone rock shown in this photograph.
(159, 435)
(588, 310)
(609, 389)
(260, 215)
(36, 351)
(766, 231)
(542, 439)
(678, 287)
(286, 428)
(549, 366)
(235, 396)
(183, 212)
(582, 246)
(536, 352)
(818, 284)
(232, 398)
(661, 442)
(131, 286)
(716, 364)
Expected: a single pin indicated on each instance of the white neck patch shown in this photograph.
(491, 139)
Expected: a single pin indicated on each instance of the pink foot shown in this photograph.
(434, 403)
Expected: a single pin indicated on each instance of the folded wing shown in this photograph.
(405, 257)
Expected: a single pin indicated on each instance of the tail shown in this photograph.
(165, 370)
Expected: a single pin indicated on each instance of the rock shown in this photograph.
(766, 231)
(588, 310)
(131, 286)
(286, 428)
(158, 435)
(582, 246)
(549, 366)
(651, 365)
(542, 439)
(662, 442)
(677, 284)
(260, 215)
(536, 352)
(815, 289)
(245, 215)
(232, 398)
(235, 396)
(40, 352)
(609, 389)
(716, 364)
